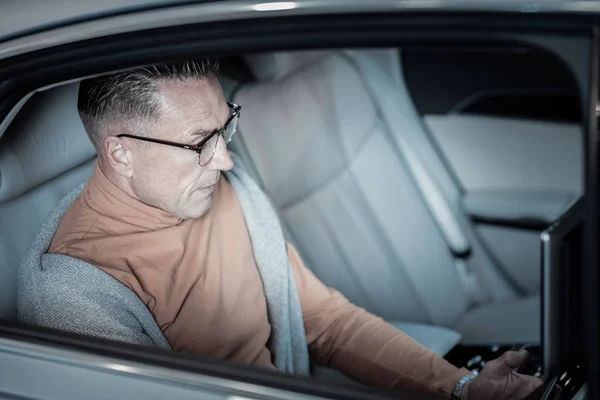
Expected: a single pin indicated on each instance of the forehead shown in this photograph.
(188, 107)
(200, 95)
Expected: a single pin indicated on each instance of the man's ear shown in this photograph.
(118, 156)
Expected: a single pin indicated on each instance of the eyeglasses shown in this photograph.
(207, 146)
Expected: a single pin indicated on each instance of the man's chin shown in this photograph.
(201, 207)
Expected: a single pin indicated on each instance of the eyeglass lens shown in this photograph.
(210, 147)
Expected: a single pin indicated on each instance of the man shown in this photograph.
(158, 216)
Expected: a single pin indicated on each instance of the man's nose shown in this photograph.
(221, 159)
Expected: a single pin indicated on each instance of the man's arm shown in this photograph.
(363, 346)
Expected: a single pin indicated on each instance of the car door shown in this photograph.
(591, 278)
(42, 363)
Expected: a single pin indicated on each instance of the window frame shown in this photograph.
(25, 73)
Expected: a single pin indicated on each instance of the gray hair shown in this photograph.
(129, 98)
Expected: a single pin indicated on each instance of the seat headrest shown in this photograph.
(306, 128)
(45, 139)
(273, 66)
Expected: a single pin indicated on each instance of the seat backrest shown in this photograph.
(322, 147)
(44, 154)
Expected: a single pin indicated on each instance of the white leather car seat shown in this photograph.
(335, 141)
(44, 154)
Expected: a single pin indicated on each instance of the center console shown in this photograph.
(560, 361)
(474, 358)
(570, 378)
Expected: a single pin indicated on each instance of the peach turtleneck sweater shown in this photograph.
(199, 280)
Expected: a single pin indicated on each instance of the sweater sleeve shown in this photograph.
(364, 347)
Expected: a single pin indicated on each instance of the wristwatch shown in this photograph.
(456, 393)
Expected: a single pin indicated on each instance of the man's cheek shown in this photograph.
(183, 159)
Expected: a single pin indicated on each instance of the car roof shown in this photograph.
(21, 16)
(19, 19)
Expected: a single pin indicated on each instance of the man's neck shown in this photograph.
(113, 197)
(117, 180)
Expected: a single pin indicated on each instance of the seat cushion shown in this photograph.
(512, 322)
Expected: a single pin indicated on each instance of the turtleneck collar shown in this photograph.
(108, 199)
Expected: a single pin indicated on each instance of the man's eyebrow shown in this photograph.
(202, 132)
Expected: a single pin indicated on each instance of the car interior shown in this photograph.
(416, 182)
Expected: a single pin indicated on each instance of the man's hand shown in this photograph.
(498, 380)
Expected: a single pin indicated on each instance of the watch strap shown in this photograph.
(456, 393)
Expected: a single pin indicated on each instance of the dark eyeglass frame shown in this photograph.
(194, 147)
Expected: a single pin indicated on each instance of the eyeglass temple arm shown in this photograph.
(165, 142)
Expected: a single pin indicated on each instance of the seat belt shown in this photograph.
(394, 114)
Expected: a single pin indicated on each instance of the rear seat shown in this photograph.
(323, 149)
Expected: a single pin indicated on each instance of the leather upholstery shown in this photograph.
(503, 323)
(318, 145)
(544, 207)
(44, 154)
(43, 141)
(321, 148)
(551, 153)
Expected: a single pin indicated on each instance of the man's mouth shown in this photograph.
(212, 185)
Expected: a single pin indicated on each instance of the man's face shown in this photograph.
(170, 178)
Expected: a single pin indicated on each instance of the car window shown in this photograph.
(400, 198)
(509, 81)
